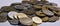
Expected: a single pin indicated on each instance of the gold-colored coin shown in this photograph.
(37, 6)
(34, 24)
(57, 12)
(39, 13)
(45, 19)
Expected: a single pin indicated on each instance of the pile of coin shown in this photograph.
(30, 12)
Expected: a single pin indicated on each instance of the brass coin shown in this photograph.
(39, 13)
(7, 9)
(37, 20)
(57, 12)
(34, 24)
(45, 19)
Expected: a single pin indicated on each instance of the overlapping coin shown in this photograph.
(37, 20)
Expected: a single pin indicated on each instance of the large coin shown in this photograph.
(53, 19)
(47, 12)
(37, 20)
(39, 13)
(26, 21)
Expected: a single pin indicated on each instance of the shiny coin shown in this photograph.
(47, 12)
(11, 14)
(37, 20)
(20, 15)
(26, 21)
(53, 19)
(20, 7)
(39, 13)
(45, 19)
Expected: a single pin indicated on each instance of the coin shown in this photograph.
(26, 21)
(39, 13)
(53, 19)
(34, 24)
(45, 19)
(3, 19)
(11, 14)
(37, 20)
(47, 12)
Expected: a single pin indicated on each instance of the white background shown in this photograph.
(8, 2)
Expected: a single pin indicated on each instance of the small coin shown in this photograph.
(20, 15)
(37, 20)
(13, 4)
(3, 19)
(7, 9)
(39, 13)
(45, 19)
(13, 22)
(57, 12)
(20, 7)
(53, 19)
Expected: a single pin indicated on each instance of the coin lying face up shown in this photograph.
(37, 20)
(11, 14)
(26, 21)
(47, 12)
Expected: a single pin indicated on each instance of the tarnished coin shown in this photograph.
(7, 9)
(37, 20)
(28, 11)
(47, 12)
(53, 4)
(26, 21)
(13, 22)
(53, 19)
(3, 19)
(57, 12)
(20, 7)
(37, 6)
(27, 5)
(34, 24)
(11, 14)
(45, 19)
(13, 4)
(39, 13)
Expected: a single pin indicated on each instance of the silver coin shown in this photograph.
(47, 12)
(11, 14)
(53, 19)
(20, 7)
(26, 21)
